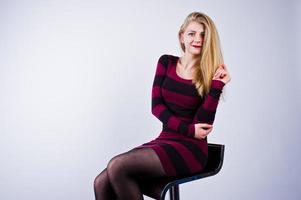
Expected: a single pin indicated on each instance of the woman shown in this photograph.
(185, 96)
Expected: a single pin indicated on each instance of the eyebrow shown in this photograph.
(195, 31)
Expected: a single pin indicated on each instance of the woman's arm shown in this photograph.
(159, 108)
(206, 112)
(205, 115)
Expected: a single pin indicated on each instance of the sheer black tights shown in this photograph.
(130, 175)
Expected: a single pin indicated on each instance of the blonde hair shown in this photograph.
(211, 56)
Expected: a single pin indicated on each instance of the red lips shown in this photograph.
(195, 46)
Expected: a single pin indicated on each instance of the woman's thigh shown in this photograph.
(139, 163)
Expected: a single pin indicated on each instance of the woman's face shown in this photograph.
(193, 37)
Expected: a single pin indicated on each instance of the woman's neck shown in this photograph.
(188, 61)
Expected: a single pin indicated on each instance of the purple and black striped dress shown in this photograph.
(176, 103)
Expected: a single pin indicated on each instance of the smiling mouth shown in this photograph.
(196, 46)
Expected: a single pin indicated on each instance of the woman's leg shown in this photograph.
(153, 187)
(102, 187)
(150, 187)
(126, 169)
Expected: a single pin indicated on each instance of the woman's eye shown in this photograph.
(190, 33)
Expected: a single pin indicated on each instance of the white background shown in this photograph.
(75, 90)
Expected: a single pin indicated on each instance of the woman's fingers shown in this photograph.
(220, 71)
(203, 129)
(217, 75)
(223, 74)
(209, 130)
(222, 68)
(203, 125)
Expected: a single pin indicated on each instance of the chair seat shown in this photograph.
(213, 166)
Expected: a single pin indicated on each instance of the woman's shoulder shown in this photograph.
(166, 58)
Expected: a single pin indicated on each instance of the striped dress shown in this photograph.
(176, 103)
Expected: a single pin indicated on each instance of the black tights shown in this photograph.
(130, 175)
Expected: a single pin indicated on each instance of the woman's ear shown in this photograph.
(181, 38)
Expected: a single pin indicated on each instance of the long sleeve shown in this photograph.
(159, 108)
(206, 112)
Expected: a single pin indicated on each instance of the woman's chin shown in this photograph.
(195, 51)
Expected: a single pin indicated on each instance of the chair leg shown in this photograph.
(174, 193)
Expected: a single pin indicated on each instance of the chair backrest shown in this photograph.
(215, 158)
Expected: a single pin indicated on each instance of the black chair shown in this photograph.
(213, 166)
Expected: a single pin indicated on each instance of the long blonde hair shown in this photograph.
(211, 55)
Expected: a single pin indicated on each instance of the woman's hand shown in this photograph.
(202, 130)
(222, 74)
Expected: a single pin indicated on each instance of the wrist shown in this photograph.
(217, 84)
(191, 130)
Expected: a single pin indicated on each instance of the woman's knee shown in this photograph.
(101, 179)
(117, 167)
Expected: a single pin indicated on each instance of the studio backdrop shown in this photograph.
(75, 90)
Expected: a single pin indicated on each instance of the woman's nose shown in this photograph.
(198, 38)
